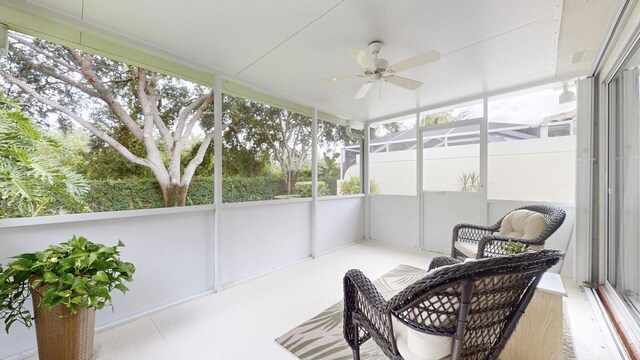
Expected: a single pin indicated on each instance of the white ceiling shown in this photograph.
(288, 45)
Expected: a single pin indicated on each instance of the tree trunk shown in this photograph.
(174, 195)
(291, 178)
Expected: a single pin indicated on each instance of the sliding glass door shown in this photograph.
(623, 247)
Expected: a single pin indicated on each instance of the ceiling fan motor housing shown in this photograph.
(375, 47)
(381, 64)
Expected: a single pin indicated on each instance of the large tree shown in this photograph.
(158, 112)
(283, 136)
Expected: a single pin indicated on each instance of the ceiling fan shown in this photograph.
(376, 69)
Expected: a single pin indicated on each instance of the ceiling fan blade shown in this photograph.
(339, 78)
(416, 61)
(362, 58)
(364, 89)
(403, 82)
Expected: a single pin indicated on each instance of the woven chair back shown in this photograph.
(553, 215)
(478, 302)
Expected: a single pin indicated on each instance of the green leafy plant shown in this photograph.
(329, 167)
(514, 247)
(34, 179)
(352, 186)
(75, 274)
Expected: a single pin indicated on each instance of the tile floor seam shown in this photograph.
(157, 329)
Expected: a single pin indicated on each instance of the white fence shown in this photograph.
(537, 169)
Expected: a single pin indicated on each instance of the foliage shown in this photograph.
(515, 247)
(385, 129)
(469, 182)
(329, 167)
(283, 135)
(332, 185)
(303, 188)
(131, 194)
(34, 178)
(127, 194)
(143, 123)
(352, 186)
(102, 161)
(239, 189)
(443, 117)
(75, 274)
(145, 117)
(276, 135)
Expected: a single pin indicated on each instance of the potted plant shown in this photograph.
(67, 282)
(514, 247)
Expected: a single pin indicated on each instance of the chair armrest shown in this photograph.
(360, 283)
(472, 232)
(495, 245)
(363, 299)
(442, 261)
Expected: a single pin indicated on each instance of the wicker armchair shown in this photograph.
(474, 305)
(490, 241)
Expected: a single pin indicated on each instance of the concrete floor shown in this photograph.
(242, 322)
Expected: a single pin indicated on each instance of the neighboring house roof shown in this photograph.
(410, 134)
(569, 115)
(497, 131)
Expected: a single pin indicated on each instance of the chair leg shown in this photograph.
(356, 351)
(356, 354)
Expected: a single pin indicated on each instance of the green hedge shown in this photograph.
(116, 195)
(303, 188)
(239, 189)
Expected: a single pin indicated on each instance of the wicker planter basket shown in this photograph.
(69, 337)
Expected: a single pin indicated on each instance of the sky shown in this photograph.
(529, 107)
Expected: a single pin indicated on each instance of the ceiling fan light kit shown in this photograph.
(378, 69)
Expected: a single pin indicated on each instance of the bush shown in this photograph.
(239, 189)
(117, 195)
(352, 186)
(303, 188)
(332, 185)
(131, 194)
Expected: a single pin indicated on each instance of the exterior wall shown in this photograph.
(536, 169)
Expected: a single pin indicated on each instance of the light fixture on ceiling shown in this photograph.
(567, 95)
(4, 40)
(578, 56)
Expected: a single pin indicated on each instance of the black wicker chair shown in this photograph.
(486, 241)
(477, 304)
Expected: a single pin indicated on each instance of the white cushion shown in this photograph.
(415, 345)
(523, 224)
(469, 249)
